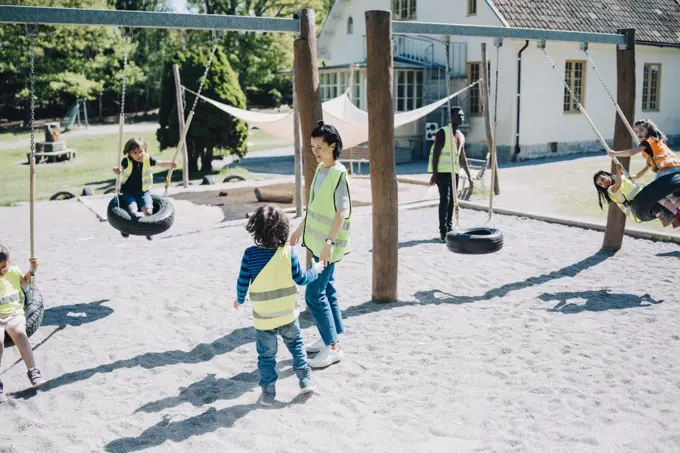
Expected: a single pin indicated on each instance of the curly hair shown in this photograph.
(652, 130)
(269, 227)
(330, 136)
(4, 254)
(134, 143)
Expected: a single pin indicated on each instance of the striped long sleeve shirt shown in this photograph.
(255, 259)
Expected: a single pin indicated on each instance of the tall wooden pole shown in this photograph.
(299, 188)
(306, 73)
(625, 97)
(180, 118)
(381, 145)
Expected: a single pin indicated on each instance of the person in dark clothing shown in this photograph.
(440, 163)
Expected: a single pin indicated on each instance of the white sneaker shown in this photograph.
(317, 346)
(326, 357)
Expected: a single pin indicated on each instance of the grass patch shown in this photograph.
(96, 157)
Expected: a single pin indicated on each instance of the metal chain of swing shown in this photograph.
(494, 155)
(121, 121)
(217, 39)
(31, 78)
(583, 110)
(611, 96)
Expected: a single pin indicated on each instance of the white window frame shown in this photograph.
(404, 9)
(408, 89)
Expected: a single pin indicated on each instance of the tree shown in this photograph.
(211, 130)
(260, 58)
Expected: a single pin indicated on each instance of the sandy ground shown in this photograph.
(545, 346)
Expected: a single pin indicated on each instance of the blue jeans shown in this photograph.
(266, 343)
(133, 202)
(322, 300)
(665, 172)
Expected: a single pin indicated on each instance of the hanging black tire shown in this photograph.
(62, 195)
(34, 309)
(475, 241)
(644, 205)
(160, 221)
(231, 178)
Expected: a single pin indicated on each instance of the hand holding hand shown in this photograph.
(326, 253)
(319, 266)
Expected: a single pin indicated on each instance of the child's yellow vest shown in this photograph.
(624, 196)
(147, 174)
(11, 296)
(273, 293)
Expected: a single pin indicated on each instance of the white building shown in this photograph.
(535, 115)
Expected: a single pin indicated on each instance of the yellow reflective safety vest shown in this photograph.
(321, 213)
(11, 295)
(444, 163)
(147, 174)
(662, 157)
(273, 293)
(624, 196)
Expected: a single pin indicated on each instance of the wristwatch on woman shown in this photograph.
(330, 241)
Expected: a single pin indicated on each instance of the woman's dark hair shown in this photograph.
(330, 136)
(652, 129)
(602, 194)
(4, 253)
(134, 143)
(269, 227)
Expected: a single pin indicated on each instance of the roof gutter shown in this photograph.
(675, 45)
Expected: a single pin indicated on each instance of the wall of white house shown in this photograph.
(542, 119)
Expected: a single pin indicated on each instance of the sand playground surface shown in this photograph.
(546, 346)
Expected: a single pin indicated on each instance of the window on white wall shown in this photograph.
(651, 85)
(474, 73)
(332, 84)
(350, 25)
(409, 84)
(471, 7)
(403, 9)
(356, 88)
(575, 77)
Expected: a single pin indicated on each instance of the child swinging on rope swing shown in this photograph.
(137, 177)
(660, 159)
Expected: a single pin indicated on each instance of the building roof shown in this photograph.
(655, 21)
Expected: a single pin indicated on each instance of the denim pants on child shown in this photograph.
(321, 298)
(140, 199)
(266, 343)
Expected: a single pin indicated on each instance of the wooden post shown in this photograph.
(180, 117)
(299, 189)
(306, 73)
(381, 145)
(625, 97)
(484, 92)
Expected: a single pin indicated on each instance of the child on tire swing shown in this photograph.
(660, 158)
(137, 177)
(621, 190)
(12, 317)
(271, 269)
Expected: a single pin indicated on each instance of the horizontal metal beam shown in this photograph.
(436, 28)
(143, 19)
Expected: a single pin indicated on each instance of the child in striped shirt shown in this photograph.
(274, 297)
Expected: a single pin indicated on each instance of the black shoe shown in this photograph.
(125, 235)
(442, 237)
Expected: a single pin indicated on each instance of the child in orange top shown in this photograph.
(660, 158)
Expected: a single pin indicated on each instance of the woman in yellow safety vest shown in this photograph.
(325, 233)
(660, 158)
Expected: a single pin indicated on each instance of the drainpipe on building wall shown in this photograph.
(519, 92)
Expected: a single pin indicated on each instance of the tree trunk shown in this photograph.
(101, 107)
(193, 156)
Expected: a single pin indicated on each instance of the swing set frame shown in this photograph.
(380, 65)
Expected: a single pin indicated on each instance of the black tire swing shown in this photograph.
(485, 239)
(163, 215)
(34, 308)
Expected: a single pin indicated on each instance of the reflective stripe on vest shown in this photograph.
(321, 212)
(273, 293)
(662, 156)
(444, 162)
(9, 299)
(147, 173)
